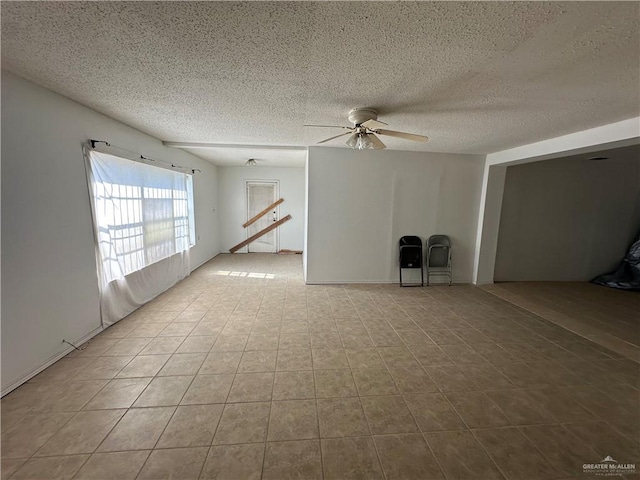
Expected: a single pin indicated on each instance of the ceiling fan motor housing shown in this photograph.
(361, 115)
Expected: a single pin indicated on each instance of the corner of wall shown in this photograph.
(306, 218)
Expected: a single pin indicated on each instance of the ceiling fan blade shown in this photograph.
(377, 143)
(406, 136)
(328, 126)
(337, 136)
(373, 124)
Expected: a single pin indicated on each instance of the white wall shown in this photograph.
(361, 202)
(50, 287)
(233, 204)
(568, 219)
(488, 223)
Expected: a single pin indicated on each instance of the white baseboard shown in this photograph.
(347, 282)
(372, 282)
(47, 363)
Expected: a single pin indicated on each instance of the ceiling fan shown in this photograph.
(366, 127)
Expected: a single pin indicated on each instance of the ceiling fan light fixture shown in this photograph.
(364, 142)
(359, 141)
(352, 141)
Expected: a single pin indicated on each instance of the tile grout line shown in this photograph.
(461, 418)
(266, 439)
(422, 434)
(211, 446)
(315, 396)
(131, 407)
(373, 442)
(468, 429)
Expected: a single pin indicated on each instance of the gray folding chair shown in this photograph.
(439, 257)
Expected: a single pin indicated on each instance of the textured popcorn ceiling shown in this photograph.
(475, 77)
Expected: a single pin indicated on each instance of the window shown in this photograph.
(143, 213)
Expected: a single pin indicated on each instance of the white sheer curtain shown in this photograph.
(142, 230)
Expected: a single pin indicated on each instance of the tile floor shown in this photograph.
(606, 316)
(242, 372)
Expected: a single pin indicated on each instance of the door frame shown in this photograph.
(247, 182)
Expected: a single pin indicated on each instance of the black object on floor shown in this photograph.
(411, 257)
(627, 275)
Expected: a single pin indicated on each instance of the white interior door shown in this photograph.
(259, 196)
